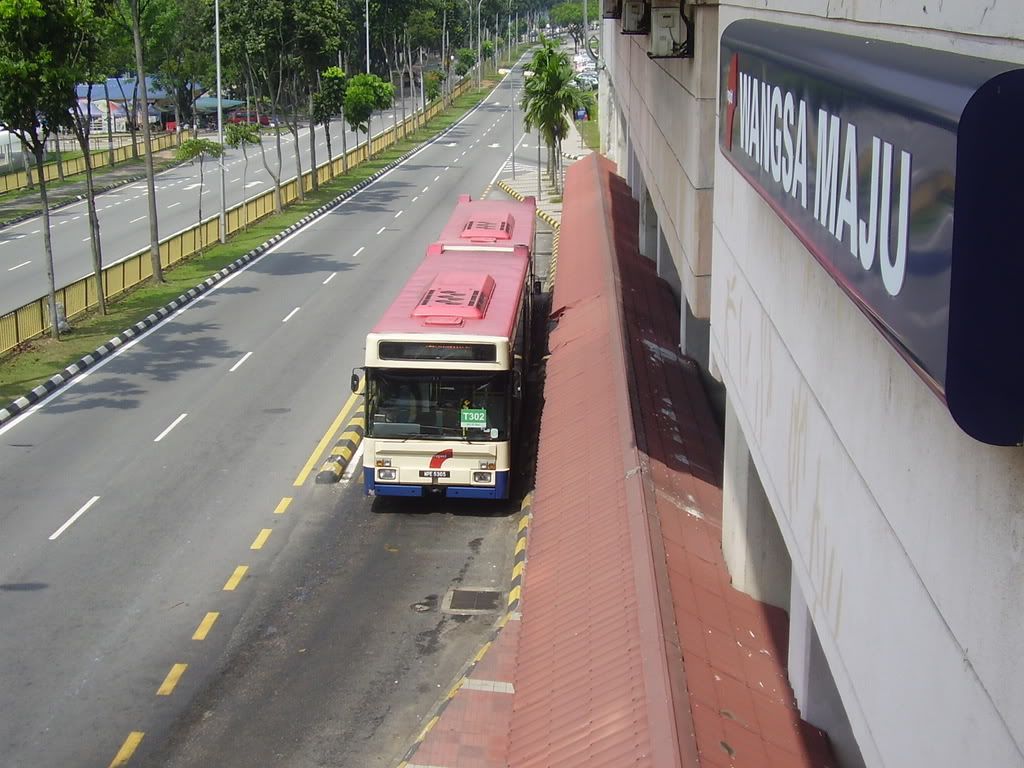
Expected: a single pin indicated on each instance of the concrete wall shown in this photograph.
(906, 536)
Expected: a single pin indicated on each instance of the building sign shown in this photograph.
(901, 169)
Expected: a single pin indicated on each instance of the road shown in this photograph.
(150, 495)
(123, 213)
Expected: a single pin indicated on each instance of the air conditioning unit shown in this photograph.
(612, 9)
(636, 17)
(671, 34)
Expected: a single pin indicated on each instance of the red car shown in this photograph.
(243, 116)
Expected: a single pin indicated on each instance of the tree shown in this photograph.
(242, 135)
(570, 16)
(465, 58)
(182, 32)
(549, 96)
(330, 101)
(38, 73)
(364, 94)
(200, 149)
(93, 27)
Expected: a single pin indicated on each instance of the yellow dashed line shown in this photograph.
(455, 688)
(167, 687)
(124, 754)
(261, 539)
(205, 626)
(282, 505)
(236, 577)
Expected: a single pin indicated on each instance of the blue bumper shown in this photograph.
(498, 491)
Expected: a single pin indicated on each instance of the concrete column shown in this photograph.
(814, 685)
(754, 550)
(648, 225)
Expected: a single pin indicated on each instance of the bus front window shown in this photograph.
(448, 405)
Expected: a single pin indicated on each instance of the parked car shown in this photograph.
(242, 116)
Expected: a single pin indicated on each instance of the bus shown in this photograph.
(444, 367)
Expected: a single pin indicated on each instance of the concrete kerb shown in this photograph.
(511, 613)
(55, 382)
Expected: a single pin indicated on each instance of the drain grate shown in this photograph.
(471, 600)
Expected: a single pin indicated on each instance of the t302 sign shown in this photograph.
(901, 169)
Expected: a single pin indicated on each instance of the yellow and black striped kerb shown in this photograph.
(343, 451)
(519, 558)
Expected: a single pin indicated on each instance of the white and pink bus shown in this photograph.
(445, 365)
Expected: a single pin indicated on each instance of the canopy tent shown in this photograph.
(206, 105)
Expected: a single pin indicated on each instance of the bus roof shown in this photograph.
(495, 223)
(460, 293)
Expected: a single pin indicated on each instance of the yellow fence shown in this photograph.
(100, 157)
(33, 319)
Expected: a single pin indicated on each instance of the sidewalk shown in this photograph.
(631, 646)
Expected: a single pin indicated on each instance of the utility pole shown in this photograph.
(367, 38)
(223, 222)
(479, 48)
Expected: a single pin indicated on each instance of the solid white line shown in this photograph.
(18, 266)
(238, 365)
(361, 249)
(74, 517)
(172, 205)
(135, 220)
(331, 276)
(381, 230)
(398, 214)
(290, 315)
(174, 423)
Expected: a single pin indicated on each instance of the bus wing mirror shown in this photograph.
(356, 377)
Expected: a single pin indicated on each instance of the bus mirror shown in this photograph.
(356, 376)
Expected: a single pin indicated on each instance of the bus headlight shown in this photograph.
(483, 477)
(387, 475)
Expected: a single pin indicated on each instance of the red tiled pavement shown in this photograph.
(633, 649)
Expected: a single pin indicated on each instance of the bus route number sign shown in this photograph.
(473, 417)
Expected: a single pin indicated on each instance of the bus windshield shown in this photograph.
(437, 405)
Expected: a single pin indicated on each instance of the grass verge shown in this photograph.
(589, 131)
(38, 360)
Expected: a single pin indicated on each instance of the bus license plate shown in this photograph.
(435, 473)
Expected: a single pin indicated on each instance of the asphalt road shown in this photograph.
(123, 212)
(149, 495)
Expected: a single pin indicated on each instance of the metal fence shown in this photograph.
(33, 319)
(100, 157)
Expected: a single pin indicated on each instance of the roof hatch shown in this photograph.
(455, 296)
(489, 230)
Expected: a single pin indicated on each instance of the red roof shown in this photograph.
(635, 649)
(497, 222)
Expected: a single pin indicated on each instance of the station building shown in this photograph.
(835, 190)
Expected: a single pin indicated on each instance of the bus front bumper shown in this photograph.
(497, 491)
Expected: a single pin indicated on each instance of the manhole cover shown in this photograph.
(470, 600)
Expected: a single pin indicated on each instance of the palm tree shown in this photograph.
(549, 97)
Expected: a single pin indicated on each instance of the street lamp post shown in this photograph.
(367, 36)
(220, 129)
(479, 48)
